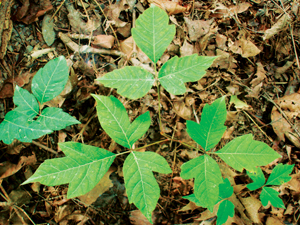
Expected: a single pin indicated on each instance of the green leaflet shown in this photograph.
(26, 102)
(192, 198)
(207, 176)
(226, 209)
(280, 174)
(177, 71)
(152, 33)
(141, 186)
(258, 178)
(83, 167)
(131, 82)
(56, 119)
(211, 128)
(270, 195)
(50, 80)
(16, 126)
(226, 190)
(244, 152)
(114, 120)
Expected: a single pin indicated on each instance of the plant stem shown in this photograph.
(158, 97)
(185, 144)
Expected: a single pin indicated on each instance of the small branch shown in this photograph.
(44, 147)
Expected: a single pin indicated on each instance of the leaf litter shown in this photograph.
(257, 45)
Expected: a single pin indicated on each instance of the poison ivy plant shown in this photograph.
(20, 123)
(279, 176)
(153, 35)
(84, 166)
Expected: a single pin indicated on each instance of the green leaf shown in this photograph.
(207, 176)
(26, 102)
(114, 120)
(258, 178)
(17, 126)
(50, 80)
(141, 186)
(177, 71)
(83, 167)
(270, 195)
(211, 128)
(280, 174)
(152, 33)
(131, 82)
(226, 209)
(55, 119)
(237, 102)
(192, 198)
(244, 152)
(226, 190)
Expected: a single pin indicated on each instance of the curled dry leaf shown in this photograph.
(252, 205)
(137, 218)
(278, 26)
(244, 47)
(104, 41)
(221, 11)
(7, 168)
(114, 10)
(182, 110)
(197, 28)
(290, 105)
(171, 7)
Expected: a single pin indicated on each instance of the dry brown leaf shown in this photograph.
(104, 41)
(240, 7)
(137, 218)
(182, 110)
(62, 212)
(114, 10)
(7, 168)
(171, 7)
(244, 47)
(190, 206)
(273, 221)
(79, 218)
(197, 28)
(278, 26)
(221, 41)
(260, 75)
(186, 49)
(252, 205)
(290, 105)
(104, 184)
(221, 10)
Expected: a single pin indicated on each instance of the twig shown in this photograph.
(44, 147)
(57, 9)
(85, 48)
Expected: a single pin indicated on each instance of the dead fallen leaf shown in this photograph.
(252, 205)
(31, 10)
(273, 221)
(278, 26)
(197, 28)
(104, 41)
(290, 105)
(244, 47)
(171, 7)
(114, 10)
(7, 168)
(137, 218)
(186, 49)
(48, 30)
(182, 110)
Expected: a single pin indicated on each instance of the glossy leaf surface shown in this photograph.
(244, 152)
(131, 82)
(211, 128)
(207, 176)
(152, 34)
(258, 178)
(141, 186)
(280, 174)
(50, 80)
(177, 71)
(270, 195)
(82, 167)
(115, 121)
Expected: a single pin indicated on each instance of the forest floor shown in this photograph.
(258, 47)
